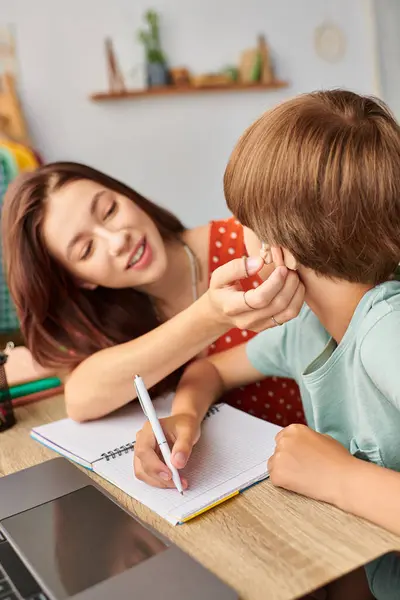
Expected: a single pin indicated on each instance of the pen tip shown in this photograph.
(181, 493)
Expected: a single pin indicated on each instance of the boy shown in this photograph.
(318, 180)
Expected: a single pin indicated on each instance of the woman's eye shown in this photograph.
(87, 251)
(111, 210)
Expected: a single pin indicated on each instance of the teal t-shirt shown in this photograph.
(351, 390)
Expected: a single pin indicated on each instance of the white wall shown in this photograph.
(387, 23)
(172, 149)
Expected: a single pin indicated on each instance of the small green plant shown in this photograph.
(150, 39)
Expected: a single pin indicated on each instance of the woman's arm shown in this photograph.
(103, 382)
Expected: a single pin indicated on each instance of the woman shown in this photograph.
(108, 284)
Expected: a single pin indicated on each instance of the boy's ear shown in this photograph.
(289, 260)
(283, 257)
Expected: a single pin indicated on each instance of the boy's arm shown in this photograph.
(201, 385)
(373, 492)
(205, 380)
(319, 467)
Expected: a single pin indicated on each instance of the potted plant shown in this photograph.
(157, 72)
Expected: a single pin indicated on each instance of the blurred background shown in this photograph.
(174, 147)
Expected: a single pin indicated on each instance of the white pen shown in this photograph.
(150, 413)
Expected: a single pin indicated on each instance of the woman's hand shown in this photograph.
(182, 432)
(280, 296)
(310, 464)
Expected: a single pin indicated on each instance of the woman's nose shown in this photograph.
(116, 240)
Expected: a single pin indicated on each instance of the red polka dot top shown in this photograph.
(274, 399)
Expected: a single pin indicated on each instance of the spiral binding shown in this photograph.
(112, 454)
(118, 451)
(213, 410)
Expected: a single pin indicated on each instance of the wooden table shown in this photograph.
(266, 543)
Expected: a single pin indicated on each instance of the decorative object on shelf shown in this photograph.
(248, 67)
(130, 66)
(266, 70)
(232, 72)
(211, 79)
(157, 71)
(255, 64)
(115, 77)
(329, 42)
(180, 76)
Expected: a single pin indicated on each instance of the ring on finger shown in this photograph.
(275, 322)
(245, 301)
(245, 265)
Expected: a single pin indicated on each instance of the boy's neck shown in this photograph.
(333, 301)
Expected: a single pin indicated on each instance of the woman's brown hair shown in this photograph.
(62, 323)
(320, 176)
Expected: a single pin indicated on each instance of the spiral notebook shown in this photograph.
(230, 456)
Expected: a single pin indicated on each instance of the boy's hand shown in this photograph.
(182, 433)
(310, 463)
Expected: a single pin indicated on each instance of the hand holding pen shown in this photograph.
(156, 467)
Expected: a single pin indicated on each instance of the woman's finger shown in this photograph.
(283, 291)
(283, 300)
(234, 270)
(294, 307)
(277, 256)
(257, 298)
(285, 307)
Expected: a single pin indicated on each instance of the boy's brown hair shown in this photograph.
(320, 176)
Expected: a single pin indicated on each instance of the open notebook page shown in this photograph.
(86, 442)
(231, 454)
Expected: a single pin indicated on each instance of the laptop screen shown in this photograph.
(79, 540)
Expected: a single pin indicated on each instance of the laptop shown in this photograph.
(62, 536)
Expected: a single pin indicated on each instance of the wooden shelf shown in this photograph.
(172, 90)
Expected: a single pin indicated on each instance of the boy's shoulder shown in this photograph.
(383, 309)
(379, 340)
